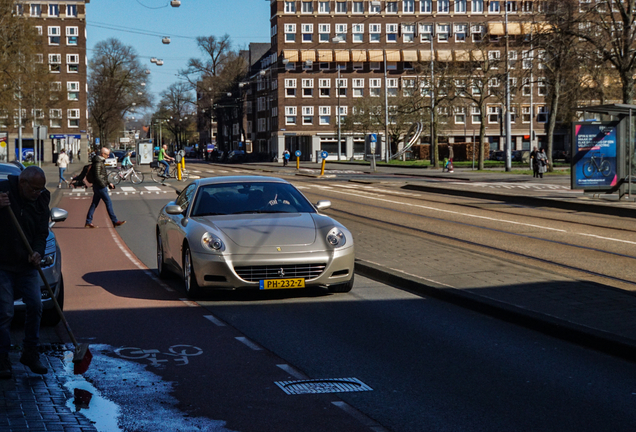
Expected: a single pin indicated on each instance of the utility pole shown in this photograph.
(386, 112)
(432, 94)
(338, 117)
(508, 148)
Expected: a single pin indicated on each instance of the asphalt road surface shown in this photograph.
(431, 366)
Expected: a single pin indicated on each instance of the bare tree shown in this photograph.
(115, 86)
(177, 109)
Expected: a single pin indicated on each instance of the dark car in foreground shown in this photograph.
(51, 261)
(252, 232)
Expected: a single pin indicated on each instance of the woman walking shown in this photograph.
(62, 164)
(542, 162)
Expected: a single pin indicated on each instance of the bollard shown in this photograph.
(297, 163)
(322, 168)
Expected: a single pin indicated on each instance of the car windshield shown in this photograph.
(249, 198)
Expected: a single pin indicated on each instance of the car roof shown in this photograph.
(9, 169)
(239, 179)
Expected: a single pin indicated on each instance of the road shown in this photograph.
(432, 366)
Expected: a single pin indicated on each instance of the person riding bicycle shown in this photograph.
(163, 158)
(126, 162)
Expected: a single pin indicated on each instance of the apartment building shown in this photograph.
(62, 27)
(326, 55)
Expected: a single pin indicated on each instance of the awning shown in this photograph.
(462, 55)
(376, 55)
(445, 55)
(308, 55)
(496, 29)
(325, 55)
(358, 56)
(342, 55)
(537, 28)
(291, 55)
(393, 55)
(514, 28)
(478, 55)
(425, 55)
(409, 55)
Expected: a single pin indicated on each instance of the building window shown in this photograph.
(290, 7)
(358, 7)
(478, 31)
(323, 66)
(55, 60)
(341, 33)
(426, 6)
(290, 88)
(493, 114)
(477, 6)
(72, 61)
(443, 32)
(73, 117)
(290, 32)
(325, 115)
(324, 30)
(290, 115)
(71, 11)
(308, 87)
(19, 10)
(341, 87)
(526, 114)
(375, 87)
(56, 118)
(494, 6)
(526, 89)
(358, 66)
(54, 10)
(408, 6)
(475, 115)
(460, 115)
(325, 87)
(341, 7)
(323, 7)
(357, 31)
(408, 33)
(54, 35)
(308, 115)
(36, 10)
(426, 32)
(391, 7)
(460, 6)
(358, 87)
(541, 86)
(375, 8)
(343, 114)
(443, 6)
(392, 87)
(71, 35)
(542, 114)
(511, 6)
(307, 31)
(375, 31)
(73, 87)
(460, 32)
(307, 7)
(391, 32)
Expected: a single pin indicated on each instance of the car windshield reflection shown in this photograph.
(249, 198)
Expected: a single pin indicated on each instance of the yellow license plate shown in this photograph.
(282, 283)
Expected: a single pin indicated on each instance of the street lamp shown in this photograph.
(508, 126)
(336, 40)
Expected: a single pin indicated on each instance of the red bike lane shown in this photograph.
(127, 314)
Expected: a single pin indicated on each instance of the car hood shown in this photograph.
(280, 229)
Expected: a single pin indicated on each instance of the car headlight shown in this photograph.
(336, 238)
(48, 260)
(212, 242)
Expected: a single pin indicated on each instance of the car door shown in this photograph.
(175, 231)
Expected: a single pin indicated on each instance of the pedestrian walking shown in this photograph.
(62, 163)
(27, 196)
(286, 156)
(534, 162)
(542, 162)
(100, 183)
(70, 156)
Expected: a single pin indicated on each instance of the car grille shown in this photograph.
(257, 273)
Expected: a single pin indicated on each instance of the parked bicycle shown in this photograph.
(595, 164)
(157, 172)
(131, 174)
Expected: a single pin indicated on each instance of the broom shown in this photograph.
(82, 356)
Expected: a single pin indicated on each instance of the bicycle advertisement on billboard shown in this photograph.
(594, 163)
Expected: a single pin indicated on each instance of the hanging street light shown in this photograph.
(153, 60)
(175, 3)
(165, 40)
(159, 62)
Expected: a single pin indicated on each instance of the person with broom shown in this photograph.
(27, 196)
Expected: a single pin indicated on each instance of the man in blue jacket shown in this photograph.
(27, 197)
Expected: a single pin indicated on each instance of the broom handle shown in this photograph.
(17, 226)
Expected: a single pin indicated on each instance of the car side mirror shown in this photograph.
(323, 204)
(57, 215)
(174, 209)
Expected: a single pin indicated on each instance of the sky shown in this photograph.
(142, 23)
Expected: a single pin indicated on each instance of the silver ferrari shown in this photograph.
(252, 232)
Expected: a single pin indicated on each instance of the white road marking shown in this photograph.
(189, 302)
(249, 343)
(607, 238)
(293, 371)
(152, 188)
(546, 228)
(128, 189)
(214, 320)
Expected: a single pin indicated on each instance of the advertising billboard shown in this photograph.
(594, 162)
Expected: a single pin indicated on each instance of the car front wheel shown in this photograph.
(189, 278)
(342, 288)
(161, 268)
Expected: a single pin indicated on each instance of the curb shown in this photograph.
(549, 325)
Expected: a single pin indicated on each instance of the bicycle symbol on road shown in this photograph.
(178, 353)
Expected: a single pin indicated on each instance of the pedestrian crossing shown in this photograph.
(122, 190)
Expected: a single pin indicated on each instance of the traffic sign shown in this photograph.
(324, 154)
(373, 137)
(297, 153)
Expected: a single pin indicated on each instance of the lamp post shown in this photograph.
(386, 112)
(338, 116)
(507, 113)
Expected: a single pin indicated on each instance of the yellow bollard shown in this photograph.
(297, 162)
(179, 171)
(182, 164)
(322, 168)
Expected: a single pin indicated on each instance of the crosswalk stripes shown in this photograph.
(122, 190)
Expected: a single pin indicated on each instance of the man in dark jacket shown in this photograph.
(27, 197)
(100, 189)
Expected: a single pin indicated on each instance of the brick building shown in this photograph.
(62, 26)
(297, 97)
